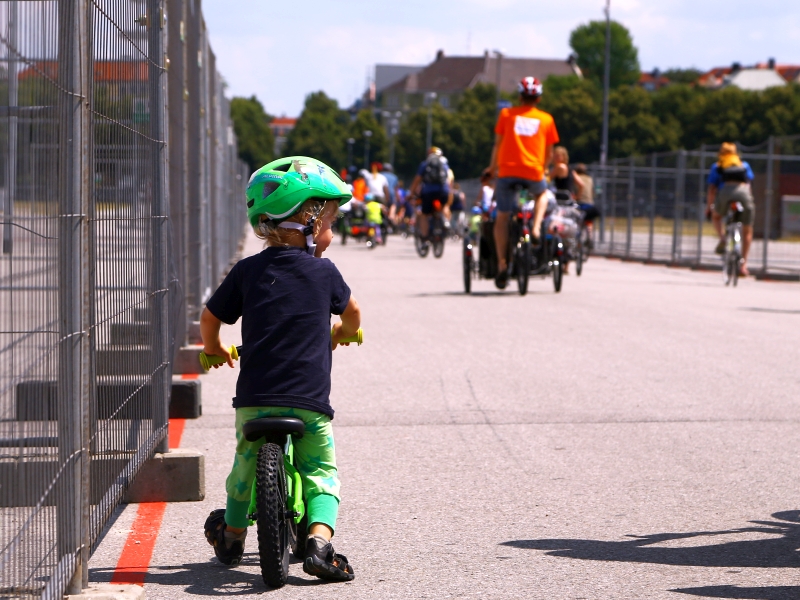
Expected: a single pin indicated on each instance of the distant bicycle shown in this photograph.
(732, 257)
(436, 233)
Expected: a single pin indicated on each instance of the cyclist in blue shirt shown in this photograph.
(432, 183)
(729, 181)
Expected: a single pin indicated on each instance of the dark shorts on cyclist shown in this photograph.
(428, 198)
(731, 192)
(507, 187)
(590, 212)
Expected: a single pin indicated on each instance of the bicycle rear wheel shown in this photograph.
(468, 261)
(735, 267)
(523, 267)
(579, 256)
(558, 275)
(421, 246)
(271, 520)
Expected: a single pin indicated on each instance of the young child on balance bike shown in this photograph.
(285, 296)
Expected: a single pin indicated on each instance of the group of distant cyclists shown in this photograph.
(525, 157)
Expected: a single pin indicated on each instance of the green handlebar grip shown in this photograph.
(207, 361)
(358, 338)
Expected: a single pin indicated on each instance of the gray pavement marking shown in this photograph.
(631, 437)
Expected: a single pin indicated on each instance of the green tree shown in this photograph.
(365, 121)
(320, 131)
(589, 43)
(633, 126)
(255, 142)
(576, 106)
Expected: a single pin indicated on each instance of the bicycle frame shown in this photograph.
(294, 487)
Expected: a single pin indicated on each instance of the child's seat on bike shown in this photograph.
(273, 427)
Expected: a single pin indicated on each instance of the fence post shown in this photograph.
(768, 199)
(677, 218)
(159, 223)
(700, 206)
(631, 188)
(611, 183)
(652, 211)
(11, 156)
(603, 204)
(74, 293)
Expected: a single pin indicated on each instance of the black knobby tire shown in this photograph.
(579, 257)
(558, 275)
(438, 247)
(272, 522)
(523, 267)
(421, 246)
(299, 541)
(468, 261)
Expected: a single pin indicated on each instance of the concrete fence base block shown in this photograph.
(175, 476)
(109, 591)
(186, 401)
(187, 360)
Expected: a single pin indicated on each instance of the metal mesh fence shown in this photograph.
(120, 191)
(654, 208)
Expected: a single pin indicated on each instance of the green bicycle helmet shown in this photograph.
(280, 188)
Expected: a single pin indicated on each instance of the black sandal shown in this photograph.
(214, 530)
(323, 562)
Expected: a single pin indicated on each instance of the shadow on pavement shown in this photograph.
(783, 592)
(777, 311)
(209, 578)
(509, 292)
(775, 552)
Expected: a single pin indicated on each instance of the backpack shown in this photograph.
(435, 170)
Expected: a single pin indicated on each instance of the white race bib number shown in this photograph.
(526, 126)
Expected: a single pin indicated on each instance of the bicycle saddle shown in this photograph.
(258, 428)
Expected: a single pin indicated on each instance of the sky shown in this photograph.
(282, 51)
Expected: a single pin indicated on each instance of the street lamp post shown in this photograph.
(350, 142)
(367, 135)
(498, 80)
(392, 121)
(604, 143)
(429, 98)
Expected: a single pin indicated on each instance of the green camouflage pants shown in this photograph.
(315, 460)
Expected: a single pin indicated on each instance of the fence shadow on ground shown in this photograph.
(775, 552)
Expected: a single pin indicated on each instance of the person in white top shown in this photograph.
(378, 184)
(486, 193)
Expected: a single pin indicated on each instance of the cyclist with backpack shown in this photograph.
(729, 181)
(285, 296)
(523, 149)
(432, 183)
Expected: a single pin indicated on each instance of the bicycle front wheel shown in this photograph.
(523, 264)
(272, 522)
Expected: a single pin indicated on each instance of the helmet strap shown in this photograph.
(308, 231)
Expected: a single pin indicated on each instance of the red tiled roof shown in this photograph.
(104, 70)
(283, 122)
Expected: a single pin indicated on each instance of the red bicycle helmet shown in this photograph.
(530, 86)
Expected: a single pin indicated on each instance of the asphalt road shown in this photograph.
(634, 436)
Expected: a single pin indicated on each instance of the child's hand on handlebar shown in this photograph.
(336, 335)
(217, 349)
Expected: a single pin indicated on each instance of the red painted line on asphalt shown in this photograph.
(176, 432)
(135, 559)
(190, 376)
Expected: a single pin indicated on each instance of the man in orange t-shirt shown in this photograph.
(523, 149)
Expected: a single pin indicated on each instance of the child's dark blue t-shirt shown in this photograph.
(285, 297)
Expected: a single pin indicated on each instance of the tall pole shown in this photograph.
(350, 142)
(606, 86)
(11, 156)
(367, 135)
(604, 143)
(498, 80)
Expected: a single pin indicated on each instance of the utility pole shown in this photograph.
(429, 98)
(367, 135)
(350, 142)
(606, 85)
(498, 80)
(604, 143)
